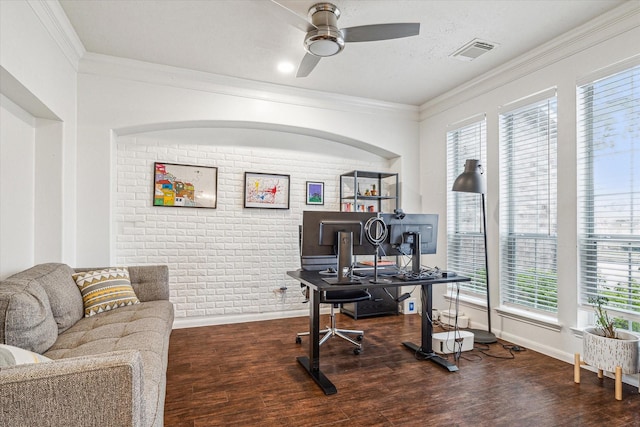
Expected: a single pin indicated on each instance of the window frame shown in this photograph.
(466, 140)
(525, 244)
(603, 103)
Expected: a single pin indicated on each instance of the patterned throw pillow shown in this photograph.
(10, 356)
(104, 290)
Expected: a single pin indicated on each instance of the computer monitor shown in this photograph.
(411, 234)
(319, 240)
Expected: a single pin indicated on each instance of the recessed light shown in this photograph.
(286, 67)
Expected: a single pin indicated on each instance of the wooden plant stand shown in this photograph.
(618, 376)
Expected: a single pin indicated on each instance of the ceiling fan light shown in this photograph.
(324, 47)
(324, 43)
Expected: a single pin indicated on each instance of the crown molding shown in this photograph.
(57, 24)
(618, 21)
(150, 73)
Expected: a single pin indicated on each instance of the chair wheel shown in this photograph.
(359, 337)
(298, 340)
(356, 351)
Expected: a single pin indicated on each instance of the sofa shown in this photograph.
(106, 367)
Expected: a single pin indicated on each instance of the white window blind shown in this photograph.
(609, 190)
(465, 242)
(528, 206)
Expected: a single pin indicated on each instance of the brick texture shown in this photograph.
(229, 260)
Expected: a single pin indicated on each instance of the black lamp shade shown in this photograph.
(472, 179)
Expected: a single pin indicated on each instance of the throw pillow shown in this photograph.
(104, 290)
(10, 356)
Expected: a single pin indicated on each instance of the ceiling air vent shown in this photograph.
(473, 49)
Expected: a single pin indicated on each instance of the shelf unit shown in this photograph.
(356, 196)
(362, 191)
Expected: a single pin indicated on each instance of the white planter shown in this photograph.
(618, 355)
(608, 353)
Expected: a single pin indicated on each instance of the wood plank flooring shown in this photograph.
(247, 375)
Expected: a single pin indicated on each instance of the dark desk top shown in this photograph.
(315, 280)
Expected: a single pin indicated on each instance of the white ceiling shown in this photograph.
(241, 38)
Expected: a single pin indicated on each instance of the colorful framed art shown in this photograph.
(185, 186)
(264, 190)
(315, 193)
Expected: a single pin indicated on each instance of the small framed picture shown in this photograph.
(315, 193)
(185, 186)
(265, 190)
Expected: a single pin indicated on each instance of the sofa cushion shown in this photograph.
(64, 296)
(11, 356)
(105, 289)
(144, 327)
(26, 320)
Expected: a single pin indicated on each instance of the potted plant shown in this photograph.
(608, 349)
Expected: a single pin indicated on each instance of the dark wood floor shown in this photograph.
(247, 375)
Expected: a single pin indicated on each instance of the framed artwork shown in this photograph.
(264, 190)
(185, 186)
(315, 193)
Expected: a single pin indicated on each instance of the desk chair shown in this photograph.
(336, 298)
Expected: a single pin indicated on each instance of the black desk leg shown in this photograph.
(425, 351)
(312, 363)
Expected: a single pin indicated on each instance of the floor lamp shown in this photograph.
(472, 181)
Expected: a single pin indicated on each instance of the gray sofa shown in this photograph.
(108, 369)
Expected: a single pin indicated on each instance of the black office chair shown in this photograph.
(336, 298)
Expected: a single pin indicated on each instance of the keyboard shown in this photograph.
(415, 277)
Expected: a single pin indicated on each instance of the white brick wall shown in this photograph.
(229, 260)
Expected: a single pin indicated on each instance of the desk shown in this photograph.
(313, 280)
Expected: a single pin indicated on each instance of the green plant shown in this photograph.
(604, 323)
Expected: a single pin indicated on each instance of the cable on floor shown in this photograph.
(512, 349)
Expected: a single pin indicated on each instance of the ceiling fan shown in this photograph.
(324, 38)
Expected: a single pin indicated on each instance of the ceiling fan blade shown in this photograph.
(369, 33)
(307, 65)
(287, 15)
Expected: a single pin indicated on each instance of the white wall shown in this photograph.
(560, 64)
(118, 97)
(307, 134)
(225, 263)
(17, 152)
(38, 76)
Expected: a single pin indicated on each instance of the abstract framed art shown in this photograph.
(265, 190)
(185, 186)
(315, 193)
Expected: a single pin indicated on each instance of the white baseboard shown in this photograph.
(633, 380)
(193, 322)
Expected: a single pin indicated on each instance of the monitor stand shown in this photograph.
(416, 261)
(377, 279)
(345, 260)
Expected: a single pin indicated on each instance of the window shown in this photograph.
(528, 204)
(465, 241)
(609, 192)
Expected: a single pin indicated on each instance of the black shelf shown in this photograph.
(380, 304)
(386, 201)
(354, 185)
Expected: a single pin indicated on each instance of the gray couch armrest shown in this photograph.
(103, 390)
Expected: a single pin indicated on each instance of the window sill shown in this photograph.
(546, 322)
(478, 303)
(577, 332)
